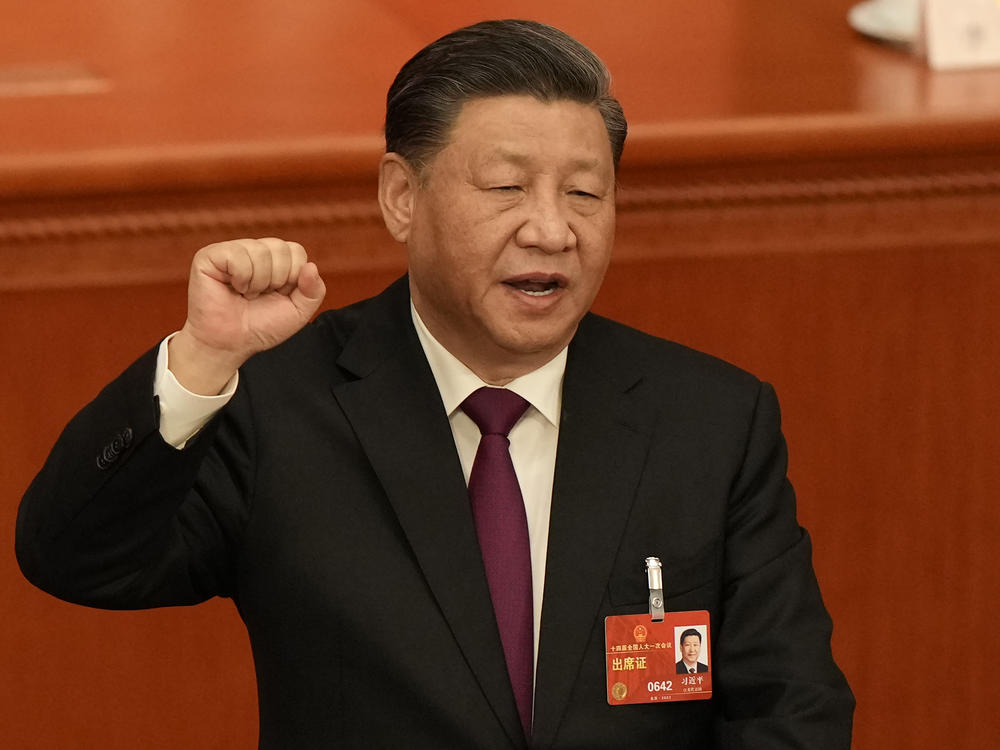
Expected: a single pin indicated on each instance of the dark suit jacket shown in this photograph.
(327, 500)
(683, 669)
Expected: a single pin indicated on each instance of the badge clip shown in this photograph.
(655, 575)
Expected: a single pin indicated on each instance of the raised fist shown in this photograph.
(244, 296)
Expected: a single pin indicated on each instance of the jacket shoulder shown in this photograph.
(313, 350)
(666, 363)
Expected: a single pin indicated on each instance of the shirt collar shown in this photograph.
(542, 388)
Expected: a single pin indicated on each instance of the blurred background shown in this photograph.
(809, 203)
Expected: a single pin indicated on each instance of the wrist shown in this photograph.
(200, 368)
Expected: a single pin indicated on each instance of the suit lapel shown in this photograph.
(602, 449)
(395, 409)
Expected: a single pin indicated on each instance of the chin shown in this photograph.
(529, 343)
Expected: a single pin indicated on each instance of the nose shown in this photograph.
(546, 226)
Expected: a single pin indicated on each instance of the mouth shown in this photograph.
(537, 286)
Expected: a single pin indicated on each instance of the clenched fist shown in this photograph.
(244, 296)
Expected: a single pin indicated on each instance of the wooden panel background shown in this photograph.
(819, 210)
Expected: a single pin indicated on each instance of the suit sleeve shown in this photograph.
(774, 670)
(116, 518)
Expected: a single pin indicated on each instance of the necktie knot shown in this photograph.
(494, 410)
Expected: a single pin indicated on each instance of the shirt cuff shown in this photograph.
(183, 413)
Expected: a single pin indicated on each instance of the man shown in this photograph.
(690, 650)
(336, 493)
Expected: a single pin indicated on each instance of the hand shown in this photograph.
(244, 296)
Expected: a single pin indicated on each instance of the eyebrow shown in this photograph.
(581, 164)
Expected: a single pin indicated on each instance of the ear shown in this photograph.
(397, 187)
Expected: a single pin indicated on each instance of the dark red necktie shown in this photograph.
(502, 527)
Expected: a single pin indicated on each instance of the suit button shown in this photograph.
(111, 452)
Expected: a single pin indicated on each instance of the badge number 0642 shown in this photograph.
(653, 662)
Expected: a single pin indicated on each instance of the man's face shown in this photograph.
(511, 231)
(691, 646)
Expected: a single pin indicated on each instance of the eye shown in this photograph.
(506, 188)
(582, 194)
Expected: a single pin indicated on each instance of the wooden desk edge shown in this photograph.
(353, 160)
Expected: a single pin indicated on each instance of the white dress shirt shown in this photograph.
(533, 440)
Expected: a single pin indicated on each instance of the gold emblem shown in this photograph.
(639, 633)
(619, 691)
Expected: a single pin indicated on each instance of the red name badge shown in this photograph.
(651, 662)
